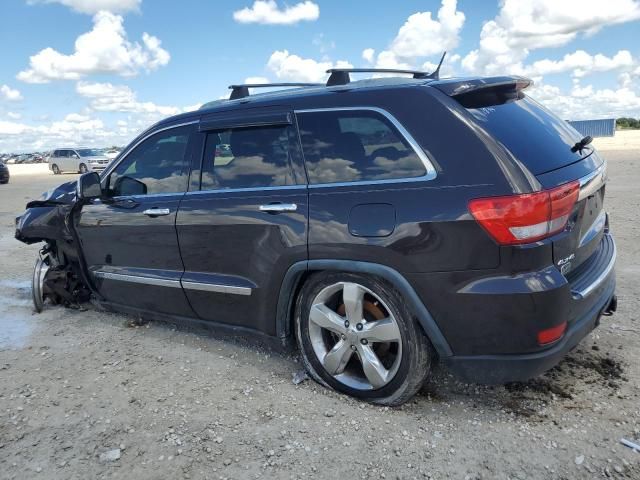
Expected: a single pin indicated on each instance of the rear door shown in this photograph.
(244, 220)
(129, 241)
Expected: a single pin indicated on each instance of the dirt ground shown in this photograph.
(88, 395)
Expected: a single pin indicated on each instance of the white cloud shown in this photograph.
(14, 115)
(525, 25)
(107, 97)
(580, 63)
(11, 128)
(294, 68)
(422, 36)
(368, 54)
(268, 12)
(76, 118)
(15, 136)
(192, 108)
(94, 6)
(9, 93)
(104, 49)
(584, 102)
(255, 80)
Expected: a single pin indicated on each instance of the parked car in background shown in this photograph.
(77, 160)
(4, 173)
(112, 153)
(382, 225)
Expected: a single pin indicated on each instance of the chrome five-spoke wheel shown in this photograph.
(354, 336)
(357, 335)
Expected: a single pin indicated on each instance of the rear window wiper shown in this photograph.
(579, 146)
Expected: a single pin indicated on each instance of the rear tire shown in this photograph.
(55, 169)
(357, 336)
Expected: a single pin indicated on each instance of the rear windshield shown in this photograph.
(535, 136)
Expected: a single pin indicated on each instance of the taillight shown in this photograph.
(552, 334)
(525, 218)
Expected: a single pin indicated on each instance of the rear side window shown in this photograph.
(355, 145)
(248, 158)
(535, 136)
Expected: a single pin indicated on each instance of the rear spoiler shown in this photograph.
(483, 92)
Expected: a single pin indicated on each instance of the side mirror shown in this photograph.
(127, 186)
(89, 186)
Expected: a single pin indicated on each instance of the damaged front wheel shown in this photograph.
(37, 282)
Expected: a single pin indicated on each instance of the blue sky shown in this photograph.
(96, 72)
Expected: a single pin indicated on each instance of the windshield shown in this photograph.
(89, 152)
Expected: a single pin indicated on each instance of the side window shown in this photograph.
(351, 146)
(157, 165)
(56, 153)
(63, 153)
(248, 157)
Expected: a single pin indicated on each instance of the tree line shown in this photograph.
(627, 122)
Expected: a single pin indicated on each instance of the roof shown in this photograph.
(451, 87)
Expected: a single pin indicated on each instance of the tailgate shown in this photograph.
(588, 222)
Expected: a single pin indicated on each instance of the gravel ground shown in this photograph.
(92, 395)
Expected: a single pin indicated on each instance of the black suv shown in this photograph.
(381, 224)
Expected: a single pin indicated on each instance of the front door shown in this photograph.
(129, 240)
(245, 223)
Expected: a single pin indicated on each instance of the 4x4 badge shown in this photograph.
(565, 263)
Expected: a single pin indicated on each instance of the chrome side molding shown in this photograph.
(123, 277)
(163, 282)
(210, 287)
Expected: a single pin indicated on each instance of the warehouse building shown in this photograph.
(604, 127)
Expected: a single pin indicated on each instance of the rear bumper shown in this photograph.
(591, 295)
(4, 176)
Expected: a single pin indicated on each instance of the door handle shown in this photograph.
(279, 207)
(157, 212)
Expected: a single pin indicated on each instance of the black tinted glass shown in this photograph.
(247, 158)
(89, 152)
(535, 136)
(157, 165)
(351, 146)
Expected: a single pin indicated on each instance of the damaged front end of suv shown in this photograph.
(59, 275)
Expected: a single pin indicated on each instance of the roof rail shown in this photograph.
(340, 76)
(242, 90)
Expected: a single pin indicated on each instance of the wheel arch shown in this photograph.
(298, 272)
